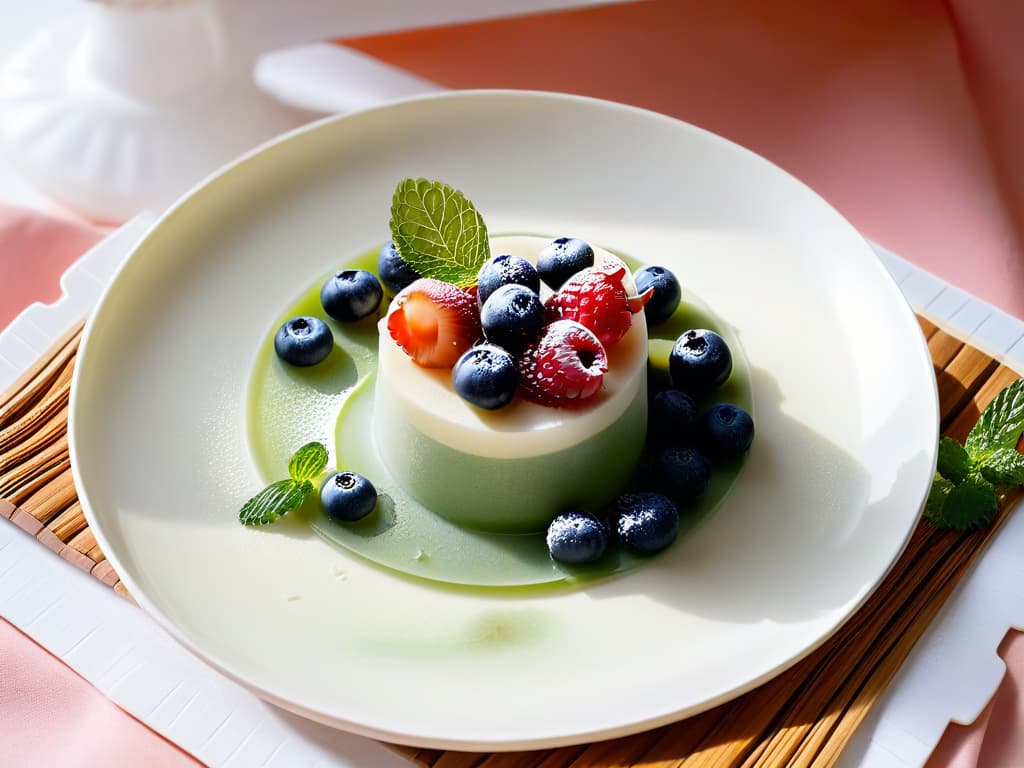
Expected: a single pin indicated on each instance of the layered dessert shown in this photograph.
(512, 469)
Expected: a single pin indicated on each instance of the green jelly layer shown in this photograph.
(334, 402)
(514, 495)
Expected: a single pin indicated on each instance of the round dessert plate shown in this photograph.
(843, 394)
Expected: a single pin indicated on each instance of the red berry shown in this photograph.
(565, 365)
(434, 322)
(595, 298)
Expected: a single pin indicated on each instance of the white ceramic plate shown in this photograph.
(844, 397)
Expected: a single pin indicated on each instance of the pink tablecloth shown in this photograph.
(907, 116)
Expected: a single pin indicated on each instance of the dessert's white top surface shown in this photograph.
(428, 403)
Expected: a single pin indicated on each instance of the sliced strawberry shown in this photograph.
(595, 298)
(564, 366)
(434, 322)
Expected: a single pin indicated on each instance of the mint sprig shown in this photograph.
(970, 477)
(285, 495)
(438, 231)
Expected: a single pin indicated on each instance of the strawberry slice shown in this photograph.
(595, 298)
(434, 322)
(564, 366)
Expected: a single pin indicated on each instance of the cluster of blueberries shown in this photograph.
(347, 296)
(683, 442)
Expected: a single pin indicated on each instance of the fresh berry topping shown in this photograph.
(486, 376)
(700, 361)
(351, 295)
(576, 537)
(666, 296)
(394, 271)
(512, 317)
(726, 431)
(646, 522)
(562, 258)
(506, 270)
(348, 497)
(303, 341)
(683, 473)
(672, 417)
(565, 365)
(595, 298)
(434, 322)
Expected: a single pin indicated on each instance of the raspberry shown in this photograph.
(595, 298)
(565, 365)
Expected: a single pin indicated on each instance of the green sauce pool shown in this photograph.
(333, 402)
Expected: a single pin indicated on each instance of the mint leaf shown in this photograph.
(284, 495)
(953, 460)
(438, 232)
(273, 501)
(1004, 466)
(308, 462)
(971, 504)
(937, 497)
(1000, 424)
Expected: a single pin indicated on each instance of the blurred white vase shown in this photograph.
(129, 111)
(132, 102)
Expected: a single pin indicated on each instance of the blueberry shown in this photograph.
(667, 292)
(576, 537)
(303, 341)
(394, 271)
(646, 522)
(351, 295)
(726, 431)
(672, 417)
(505, 270)
(562, 258)
(512, 317)
(681, 472)
(348, 497)
(486, 376)
(700, 361)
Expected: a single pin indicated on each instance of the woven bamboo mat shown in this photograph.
(803, 717)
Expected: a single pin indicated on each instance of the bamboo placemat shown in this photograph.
(803, 717)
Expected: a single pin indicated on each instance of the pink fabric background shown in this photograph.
(905, 115)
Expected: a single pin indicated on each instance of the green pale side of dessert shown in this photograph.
(416, 528)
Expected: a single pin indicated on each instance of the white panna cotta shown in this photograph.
(511, 470)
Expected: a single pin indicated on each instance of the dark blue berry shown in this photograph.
(562, 258)
(681, 472)
(512, 317)
(667, 292)
(351, 295)
(486, 376)
(576, 537)
(726, 431)
(672, 417)
(700, 361)
(505, 270)
(348, 497)
(646, 522)
(394, 271)
(303, 341)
